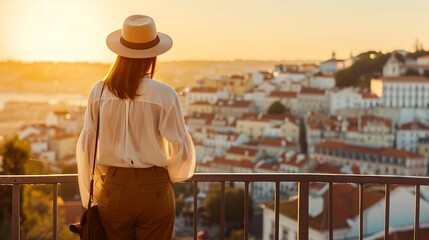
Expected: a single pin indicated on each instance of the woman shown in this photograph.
(143, 141)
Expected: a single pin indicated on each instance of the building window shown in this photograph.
(285, 234)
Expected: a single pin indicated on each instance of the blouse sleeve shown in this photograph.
(181, 149)
(85, 150)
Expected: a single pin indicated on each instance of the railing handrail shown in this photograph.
(241, 177)
(302, 180)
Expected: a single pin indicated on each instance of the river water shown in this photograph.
(70, 99)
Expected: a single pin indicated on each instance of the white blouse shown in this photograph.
(144, 132)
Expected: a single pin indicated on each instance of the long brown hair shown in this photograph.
(125, 76)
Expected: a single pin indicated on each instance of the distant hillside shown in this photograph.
(49, 78)
(78, 78)
(367, 66)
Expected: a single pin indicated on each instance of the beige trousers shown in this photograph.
(137, 203)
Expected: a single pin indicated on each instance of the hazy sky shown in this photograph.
(75, 30)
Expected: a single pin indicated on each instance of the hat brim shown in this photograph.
(114, 44)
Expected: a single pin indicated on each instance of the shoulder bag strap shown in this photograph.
(91, 184)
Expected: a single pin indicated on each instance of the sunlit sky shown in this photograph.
(75, 30)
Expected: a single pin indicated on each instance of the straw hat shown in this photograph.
(138, 39)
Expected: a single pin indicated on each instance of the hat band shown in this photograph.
(140, 46)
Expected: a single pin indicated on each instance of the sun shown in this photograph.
(57, 35)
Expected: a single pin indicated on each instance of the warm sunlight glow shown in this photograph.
(377, 87)
(75, 30)
(58, 33)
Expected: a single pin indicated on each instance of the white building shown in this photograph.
(287, 98)
(322, 81)
(423, 60)
(370, 100)
(346, 223)
(205, 94)
(312, 99)
(392, 68)
(345, 98)
(408, 135)
(216, 143)
(275, 146)
(377, 160)
(403, 91)
(258, 99)
(332, 65)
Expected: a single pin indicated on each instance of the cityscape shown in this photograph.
(310, 119)
(291, 118)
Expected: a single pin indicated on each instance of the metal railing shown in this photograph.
(303, 180)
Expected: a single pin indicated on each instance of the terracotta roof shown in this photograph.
(233, 163)
(213, 132)
(405, 79)
(413, 126)
(309, 90)
(370, 96)
(382, 151)
(415, 66)
(368, 119)
(309, 65)
(61, 136)
(345, 200)
(201, 103)
(283, 94)
(333, 169)
(204, 89)
(230, 103)
(241, 150)
(327, 168)
(236, 76)
(315, 126)
(61, 112)
(404, 233)
(277, 142)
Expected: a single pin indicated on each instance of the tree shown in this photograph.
(14, 154)
(303, 137)
(69, 191)
(359, 74)
(412, 72)
(234, 211)
(276, 108)
(38, 223)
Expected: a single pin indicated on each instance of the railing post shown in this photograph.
(16, 210)
(331, 211)
(361, 193)
(303, 191)
(222, 210)
(195, 193)
(246, 210)
(417, 214)
(387, 212)
(55, 211)
(277, 212)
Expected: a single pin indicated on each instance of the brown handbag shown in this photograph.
(90, 226)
